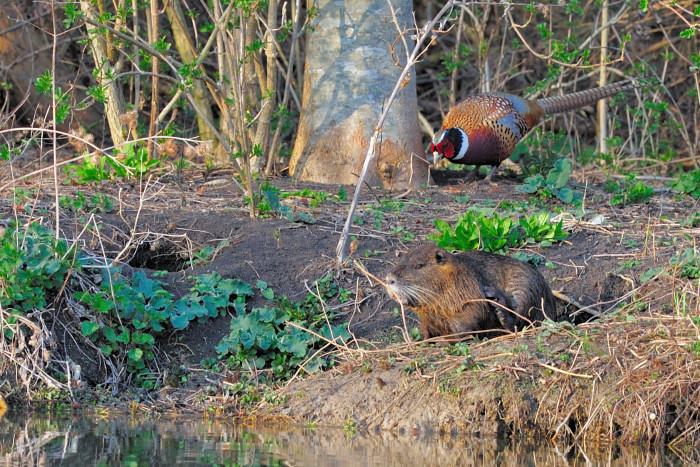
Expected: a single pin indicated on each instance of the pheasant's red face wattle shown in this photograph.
(446, 149)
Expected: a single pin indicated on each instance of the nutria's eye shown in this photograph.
(419, 265)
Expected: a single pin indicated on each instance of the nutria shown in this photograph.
(469, 291)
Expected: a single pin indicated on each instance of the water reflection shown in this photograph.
(147, 440)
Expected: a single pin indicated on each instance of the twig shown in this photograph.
(559, 370)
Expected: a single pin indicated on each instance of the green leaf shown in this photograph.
(198, 310)
(531, 184)
(239, 305)
(295, 342)
(179, 322)
(314, 366)
(266, 337)
(144, 285)
(135, 354)
(688, 183)
(52, 265)
(43, 83)
(88, 328)
(106, 350)
(565, 194)
(142, 339)
(109, 334)
(272, 197)
(266, 315)
(443, 227)
(650, 274)
(688, 33)
(340, 333)
(124, 337)
(247, 339)
(558, 176)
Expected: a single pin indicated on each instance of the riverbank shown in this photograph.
(627, 379)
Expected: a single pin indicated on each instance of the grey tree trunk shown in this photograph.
(349, 73)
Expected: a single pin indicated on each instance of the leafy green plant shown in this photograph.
(130, 313)
(317, 197)
(342, 194)
(44, 85)
(33, 266)
(207, 253)
(539, 229)
(263, 338)
(492, 233)
(629, 191)
(91, 170)
(406, 236)
(134, 162)
(350, 426)
(497, 233)
(688, 183)
(687, 262)
(210, 297)
(553, 184)
(692, 221)
(464, 236)
(271, 202)
(79, 202)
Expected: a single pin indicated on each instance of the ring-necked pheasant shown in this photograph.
(483, 129)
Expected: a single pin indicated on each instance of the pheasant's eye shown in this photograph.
(432, 147)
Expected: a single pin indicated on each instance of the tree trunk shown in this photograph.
(349, 74)
(188, 53)
(115, 106)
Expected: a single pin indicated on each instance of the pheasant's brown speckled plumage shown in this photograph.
(495, 122)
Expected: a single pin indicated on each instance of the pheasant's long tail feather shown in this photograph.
(557, 104)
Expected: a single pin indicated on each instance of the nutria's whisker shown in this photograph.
(419, 293)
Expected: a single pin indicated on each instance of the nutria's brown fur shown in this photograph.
(454, 293)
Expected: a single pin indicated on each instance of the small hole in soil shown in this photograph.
(573, 425)
(159, 257)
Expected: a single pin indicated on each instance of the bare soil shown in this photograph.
(593, 379)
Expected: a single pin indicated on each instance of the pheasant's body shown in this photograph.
(484, 129)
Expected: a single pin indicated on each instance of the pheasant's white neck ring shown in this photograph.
(463, 145)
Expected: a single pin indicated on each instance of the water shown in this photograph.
(147, 439)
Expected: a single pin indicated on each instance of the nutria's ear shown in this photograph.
(440, 256)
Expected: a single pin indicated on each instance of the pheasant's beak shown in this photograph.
(434, 155)
(437, 139)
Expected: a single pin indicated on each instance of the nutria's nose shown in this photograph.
(390, 279)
